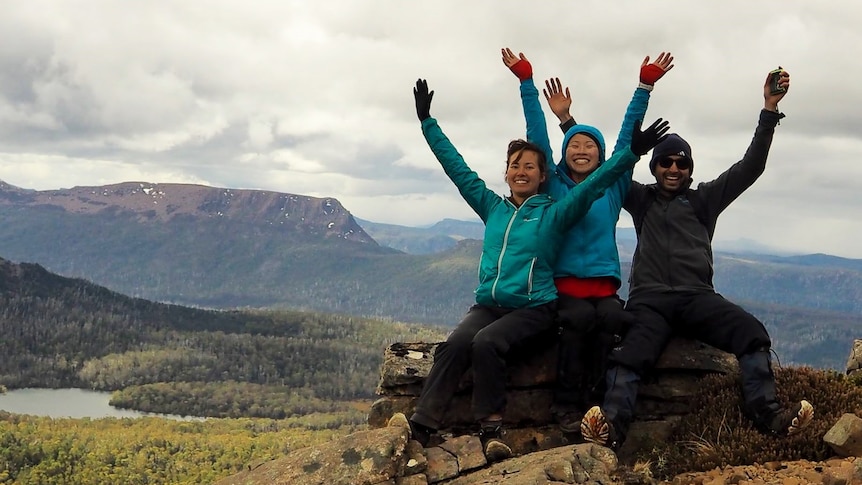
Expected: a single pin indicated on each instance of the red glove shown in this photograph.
(523, 69)
(651, 73)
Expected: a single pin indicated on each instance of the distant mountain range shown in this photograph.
(435, 238)
(742, 270)
(224, 248)
(446, 233)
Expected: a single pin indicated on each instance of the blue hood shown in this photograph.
(587, 130)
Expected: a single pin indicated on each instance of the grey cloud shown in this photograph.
(18, 75)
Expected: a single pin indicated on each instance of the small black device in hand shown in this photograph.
(774, 79)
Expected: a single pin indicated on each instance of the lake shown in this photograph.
(69, 403)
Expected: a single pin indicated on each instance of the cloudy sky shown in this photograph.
(315, 98)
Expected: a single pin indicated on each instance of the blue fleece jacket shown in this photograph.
(590, 247)
(521, 244)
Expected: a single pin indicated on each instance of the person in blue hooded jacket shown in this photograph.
(587, 274)
(516, 296)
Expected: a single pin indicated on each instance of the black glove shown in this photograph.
(423, 99)
(644, 141)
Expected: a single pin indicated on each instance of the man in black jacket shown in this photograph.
(671, 290)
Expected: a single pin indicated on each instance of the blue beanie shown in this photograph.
(591, 132)
(672, 145)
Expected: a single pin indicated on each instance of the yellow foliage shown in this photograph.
(46, 451)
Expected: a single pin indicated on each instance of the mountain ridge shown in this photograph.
(156, 202)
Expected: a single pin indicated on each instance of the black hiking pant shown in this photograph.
(700, 315)
(482, 340)
(589, 329)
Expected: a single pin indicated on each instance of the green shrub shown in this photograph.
(718, 433)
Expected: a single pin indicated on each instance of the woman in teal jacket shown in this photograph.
(516, 296)
(587, 273)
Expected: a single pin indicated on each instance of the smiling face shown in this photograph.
(582, 156)
(524, 174)
(670, 177)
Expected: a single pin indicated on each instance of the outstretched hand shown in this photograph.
(519, 65)
(559, 102)
(423, 99)
(652, 72)
(644, 141)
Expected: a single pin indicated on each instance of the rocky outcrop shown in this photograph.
(365, 457)
(837, 471)
(385, 454)
(854, 362)
(846, 436)
(664, 394)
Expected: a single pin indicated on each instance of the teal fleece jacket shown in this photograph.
(589, 249)
(520, 245)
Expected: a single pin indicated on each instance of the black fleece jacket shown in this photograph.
(674, 250)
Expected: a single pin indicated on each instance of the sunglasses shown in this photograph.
(682, 163)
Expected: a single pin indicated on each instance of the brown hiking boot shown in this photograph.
(595, 428)
(493, 445)
(789, 422)
(415, 431)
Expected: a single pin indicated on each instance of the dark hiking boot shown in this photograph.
(415, 431)
(788, 422)
(493, 445)
(595, 428)
(569, 421)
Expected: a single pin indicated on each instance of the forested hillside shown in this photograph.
(61, 332)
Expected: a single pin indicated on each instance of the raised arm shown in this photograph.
(650, 73)
(537, 127)
(472, 188)
(719, 193)
(560, 103)
(579, 199)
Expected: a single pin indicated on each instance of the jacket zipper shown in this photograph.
(503, 252)
(668, 256)
(506, 245)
